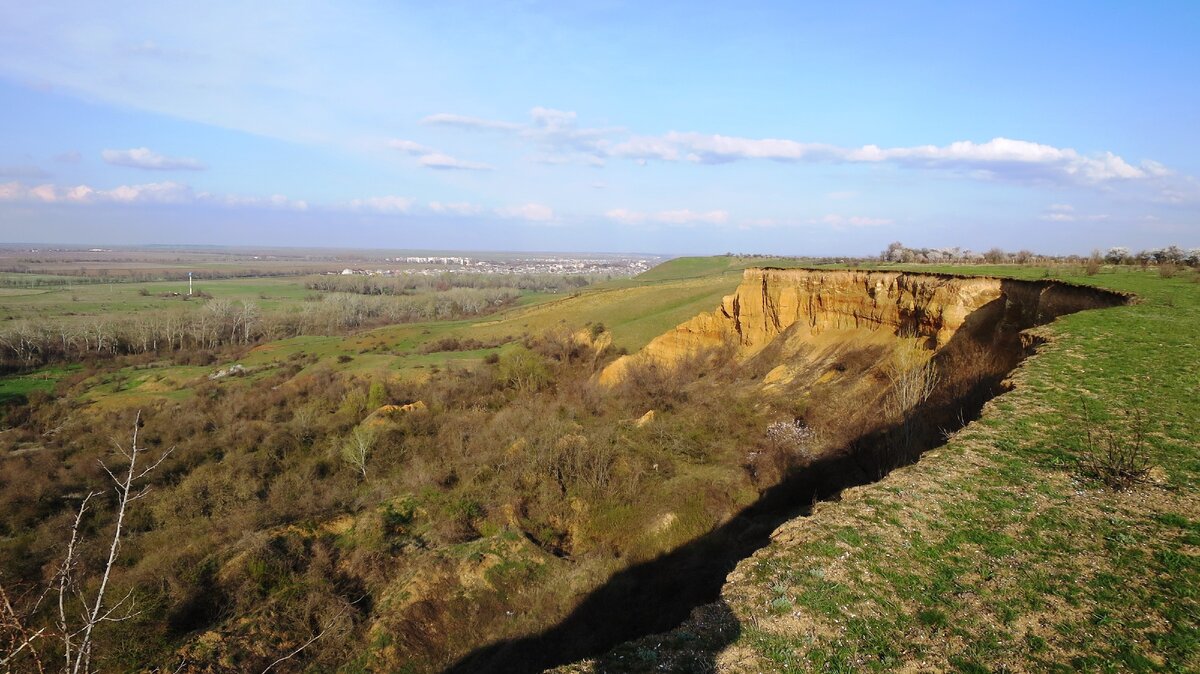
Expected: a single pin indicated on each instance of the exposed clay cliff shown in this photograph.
(806, 304)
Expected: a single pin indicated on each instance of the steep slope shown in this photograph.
(881, 366)
(807, 304)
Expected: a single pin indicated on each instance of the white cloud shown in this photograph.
(146, 193)
(465, 122)
(626, 217)
(276, 201)
(673, 217)
(444, 162)
(458, 208)
(715, 149)
(556, 131)
(838, 221)
(999, 158)
(408, 147)
(387, 204)
(533, 212)
(433, 159)
(144, 158)
(1066, 213)
(1156, 169)
(165, 192)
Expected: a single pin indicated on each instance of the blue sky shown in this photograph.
(653, 127)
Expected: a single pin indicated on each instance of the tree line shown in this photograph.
(223, 322)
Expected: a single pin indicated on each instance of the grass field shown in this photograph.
(106, 299)
(998, 552)
(633, 311)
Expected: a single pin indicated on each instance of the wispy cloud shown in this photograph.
(22, 171)
(444, 162)
(145, 158)
(532, 212)
(560, 139)
(399, 205)
(671, 217)
(467, 122)
(456, 208)
(838, 221)
(997, 158)
(387, 204)
(1067, 213)
(164, 192)
(556, 132)
(146, 193)
(433, 159)
(181, 194)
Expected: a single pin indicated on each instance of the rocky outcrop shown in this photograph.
(807, 303)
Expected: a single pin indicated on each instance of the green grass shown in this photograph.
(696, 267)
(19, 387)
(995, 552)
(632, 312)
(105, 299)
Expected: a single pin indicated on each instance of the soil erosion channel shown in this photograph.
(897, 360)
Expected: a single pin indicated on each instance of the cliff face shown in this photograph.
(807, 303)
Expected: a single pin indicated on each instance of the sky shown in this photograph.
(677, 128)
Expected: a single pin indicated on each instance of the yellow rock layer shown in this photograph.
(811, 302)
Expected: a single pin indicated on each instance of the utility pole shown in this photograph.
(189, 284)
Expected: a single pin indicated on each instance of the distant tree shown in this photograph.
(1118, 255)
(893, 253)
(995, 256)
(1169, 255)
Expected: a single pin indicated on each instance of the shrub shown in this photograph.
(523, 369)
(793, 437)
(1118, 459)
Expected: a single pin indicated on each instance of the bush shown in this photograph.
(523, 369)
(1116, 457)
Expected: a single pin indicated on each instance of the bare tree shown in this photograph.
(358, 447)
(76, 633)
(913, 377)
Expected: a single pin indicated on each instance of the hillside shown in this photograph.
(999, 551)
(478, 495)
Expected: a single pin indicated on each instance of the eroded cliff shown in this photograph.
(807, 306)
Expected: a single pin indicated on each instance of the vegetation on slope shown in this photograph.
(1000, 551)
(261, 529)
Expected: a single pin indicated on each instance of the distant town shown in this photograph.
(549, 264)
